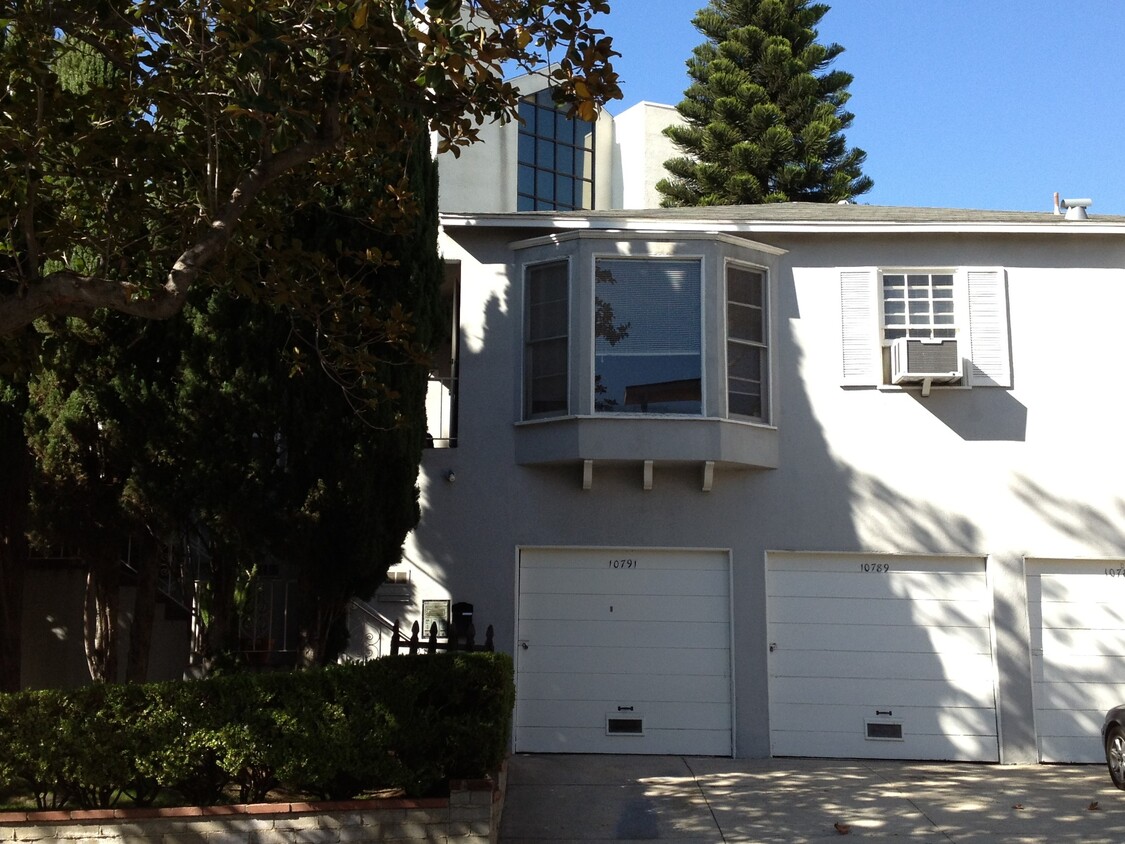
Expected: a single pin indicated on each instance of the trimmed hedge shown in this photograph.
(409, 722)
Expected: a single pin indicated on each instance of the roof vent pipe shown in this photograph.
(1076, 208)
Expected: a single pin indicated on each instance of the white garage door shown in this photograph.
(880, 657)
(1077, 614)
(624, 651)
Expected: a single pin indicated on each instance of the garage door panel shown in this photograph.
(1067, 697)
(1073, 722)
(587, 607)
(852, 635)
(861, 637)
(849, 745)
(696, 742)
(1080, 667)
(607, 581)
(854, 563)
(954, 586)
(608, 628)
(618, 687)
(882, 694)
(886, 665)
(581, 714)
(924, 720)
(1076, 609)
(608, 633)
(686, 662)
(1097, 640)
(900, 612)
(1071, 749)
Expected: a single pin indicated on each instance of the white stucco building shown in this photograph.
(795, 479)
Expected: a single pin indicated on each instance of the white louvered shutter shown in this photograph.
(988, 328)
(859, 324)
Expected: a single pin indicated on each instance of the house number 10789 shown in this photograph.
(623, 564)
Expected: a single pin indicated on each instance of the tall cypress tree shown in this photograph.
(765, 116)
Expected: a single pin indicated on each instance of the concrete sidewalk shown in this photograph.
(565, 798)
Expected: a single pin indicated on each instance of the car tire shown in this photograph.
(1115, 755)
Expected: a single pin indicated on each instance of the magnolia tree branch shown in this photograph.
(67, 293)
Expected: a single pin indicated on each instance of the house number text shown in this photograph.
(623, 564)
(1115, 572)
(876, 568)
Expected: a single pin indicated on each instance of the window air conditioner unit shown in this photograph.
(922, 361)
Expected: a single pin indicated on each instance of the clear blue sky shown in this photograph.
(990, 104)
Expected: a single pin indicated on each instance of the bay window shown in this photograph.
(646, 347)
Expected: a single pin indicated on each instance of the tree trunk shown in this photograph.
(144, 612)
(220, 630)
(100, 618)
(15, 467)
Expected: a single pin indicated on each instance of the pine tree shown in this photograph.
(765, 116)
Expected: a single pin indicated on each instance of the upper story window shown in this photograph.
(545, 349)
(747, 346)
(652, 327)
(918, 305)
(901, 326)
(647, 356)
(556, 157)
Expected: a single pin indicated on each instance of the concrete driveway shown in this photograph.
(570, 798)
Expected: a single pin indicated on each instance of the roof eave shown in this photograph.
(560, 221)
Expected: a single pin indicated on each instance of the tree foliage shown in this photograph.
(764, 114)
(209, 121)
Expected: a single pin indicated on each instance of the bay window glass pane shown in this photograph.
(747, 351)
(546, 345)
(745, 380)
(647, 336)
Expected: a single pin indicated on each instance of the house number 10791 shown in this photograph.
(623, 564)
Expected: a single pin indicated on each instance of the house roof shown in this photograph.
(797, 217)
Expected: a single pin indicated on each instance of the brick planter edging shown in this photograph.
(470, 815)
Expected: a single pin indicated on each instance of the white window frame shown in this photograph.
(525, 402)
(766, 345)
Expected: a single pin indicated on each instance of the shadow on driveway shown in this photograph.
(577, 798)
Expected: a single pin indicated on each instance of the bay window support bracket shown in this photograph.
(648, 475)
(708, 475)
(587, 474)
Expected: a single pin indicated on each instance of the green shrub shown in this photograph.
(400, 722)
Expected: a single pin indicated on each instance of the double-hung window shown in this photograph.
(747, 348)
(546, 350)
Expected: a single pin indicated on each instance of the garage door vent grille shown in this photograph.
(884, 731)
(624, 726)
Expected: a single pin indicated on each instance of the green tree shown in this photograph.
(764, 114)
(218, 118)
(15, 473)
(350, 480)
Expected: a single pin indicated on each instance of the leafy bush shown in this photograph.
(400, 722)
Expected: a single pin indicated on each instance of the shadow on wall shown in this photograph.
(1102, 533)
(978, 415)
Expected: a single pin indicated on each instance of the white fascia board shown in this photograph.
(650, 224)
